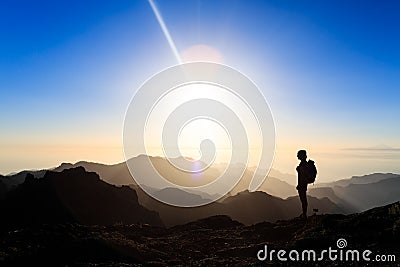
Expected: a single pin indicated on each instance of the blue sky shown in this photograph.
(330, 71)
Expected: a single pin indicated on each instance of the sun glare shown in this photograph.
(194, 132)
(201, 52)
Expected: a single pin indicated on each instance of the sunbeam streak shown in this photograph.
(165, 31)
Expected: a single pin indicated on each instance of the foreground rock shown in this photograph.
(72, 196)
(216, 240)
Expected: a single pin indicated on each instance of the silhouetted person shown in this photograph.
(302, 180)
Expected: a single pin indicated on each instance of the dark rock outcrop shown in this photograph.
(72, 195)
(3, 189)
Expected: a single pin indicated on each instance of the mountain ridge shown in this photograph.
(73, 195)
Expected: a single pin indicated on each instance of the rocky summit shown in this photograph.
(214, 241)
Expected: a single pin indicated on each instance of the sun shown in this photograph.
(201, 52)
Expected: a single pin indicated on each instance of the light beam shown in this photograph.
(165, 31)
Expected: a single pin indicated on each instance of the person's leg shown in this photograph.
(300, 197)
(303, 199)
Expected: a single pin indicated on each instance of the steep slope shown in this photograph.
(321, 192)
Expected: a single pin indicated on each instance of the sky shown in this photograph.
(330, 71)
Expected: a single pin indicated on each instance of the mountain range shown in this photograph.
(246, 207)
(75, 195)
(118, 174)
(377, 190)
(346, 196)
(71, 215)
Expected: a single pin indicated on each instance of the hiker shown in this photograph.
(306, 173)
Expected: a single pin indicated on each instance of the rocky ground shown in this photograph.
(213, 241)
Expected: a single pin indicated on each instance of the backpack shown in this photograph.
(311, 171)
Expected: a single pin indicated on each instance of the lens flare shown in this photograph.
(164, 29)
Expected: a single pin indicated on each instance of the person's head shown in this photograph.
(302, 155)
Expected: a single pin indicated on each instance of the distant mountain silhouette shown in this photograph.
(245, 207)
(276, 184)
(253, 207)
(364, 179)
(320, 192)
(271, 185)
(366, 196)
(290, 179)
(118, 174)
(212, 241)
(178, 195)
(360, 193)
(72, 195)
